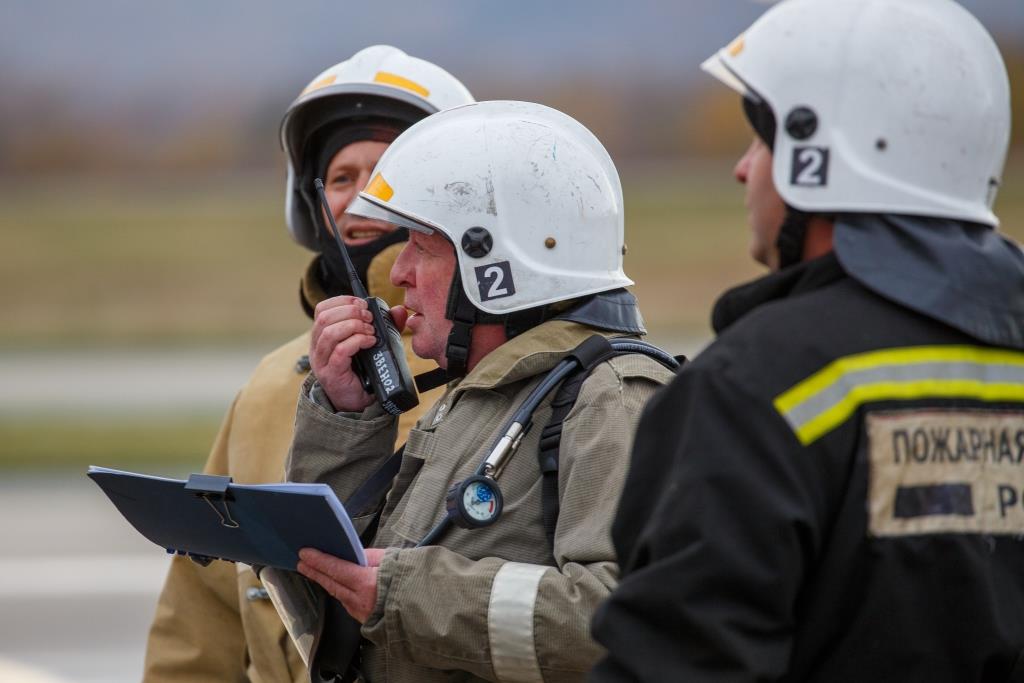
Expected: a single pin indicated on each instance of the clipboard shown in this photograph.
(209, 516)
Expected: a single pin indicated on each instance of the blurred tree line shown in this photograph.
(43, 130)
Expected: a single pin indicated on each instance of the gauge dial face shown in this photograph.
(478, 501)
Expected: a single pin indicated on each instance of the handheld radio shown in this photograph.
(382, 367)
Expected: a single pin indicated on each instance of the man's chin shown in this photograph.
(426, 350)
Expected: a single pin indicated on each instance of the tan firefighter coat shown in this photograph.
(214, 623)
(497, 603)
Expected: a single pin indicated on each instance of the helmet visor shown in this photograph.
(717, 67)
(367, 207)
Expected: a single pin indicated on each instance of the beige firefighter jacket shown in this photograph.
(214, 623)
(497, 603)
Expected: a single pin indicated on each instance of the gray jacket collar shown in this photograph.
(965, 275)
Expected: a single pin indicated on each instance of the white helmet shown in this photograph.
(883, 106)
(379, 82)
(528, 196)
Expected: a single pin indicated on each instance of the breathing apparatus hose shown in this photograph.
(523, 415)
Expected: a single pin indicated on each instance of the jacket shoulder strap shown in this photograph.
(550, 446)
(590, 353)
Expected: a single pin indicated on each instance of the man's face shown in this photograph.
(347, 175)
(765, 208)
(424, 269)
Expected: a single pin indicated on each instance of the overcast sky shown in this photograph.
(102, 51)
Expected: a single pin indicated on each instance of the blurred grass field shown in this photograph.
(207, 263)
(129, 443)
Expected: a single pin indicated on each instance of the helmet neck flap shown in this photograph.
(613, 311)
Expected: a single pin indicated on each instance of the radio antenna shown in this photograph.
(357, 287)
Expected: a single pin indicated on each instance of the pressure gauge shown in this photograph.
(474, 502)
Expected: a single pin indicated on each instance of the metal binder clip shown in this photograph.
(211, 487)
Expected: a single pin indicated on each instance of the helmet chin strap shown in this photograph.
(464, 315)
(792, 235)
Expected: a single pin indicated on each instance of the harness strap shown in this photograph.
(550, 446)
(457, 349)
(593, 351)
(371, 491)
(431, 379)
(338, 662)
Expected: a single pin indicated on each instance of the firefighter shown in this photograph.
(832, 491)
(216, 622)
(514, 262)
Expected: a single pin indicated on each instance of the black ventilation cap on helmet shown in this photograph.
(801, 123)
(477, 242)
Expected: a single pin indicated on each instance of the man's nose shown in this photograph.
(401, 270)
(742, 168)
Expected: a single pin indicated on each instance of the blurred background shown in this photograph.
(145, 266)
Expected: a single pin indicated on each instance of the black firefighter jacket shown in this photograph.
(833, 491)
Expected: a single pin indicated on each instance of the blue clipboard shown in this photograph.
(209, 516)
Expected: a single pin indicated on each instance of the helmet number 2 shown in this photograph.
(809, 167)
(495, 281)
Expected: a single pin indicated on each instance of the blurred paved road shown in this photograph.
(78, 585)
(122, 380)
(150, 381)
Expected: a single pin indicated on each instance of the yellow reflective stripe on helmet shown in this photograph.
(379, 188)
(401, 82)
(322, 83)
(736, 47)
(829, 397)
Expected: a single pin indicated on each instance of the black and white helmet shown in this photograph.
(379, 84)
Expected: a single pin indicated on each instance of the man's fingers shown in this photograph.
(335, 589)
(329, 564)
(324, 348)
(330, 316)
(337, 301)
(341, 356)
(338, 332)
(337, 576)
(350, 584)
(374, 556)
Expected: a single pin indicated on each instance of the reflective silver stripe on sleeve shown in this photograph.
(510, 621)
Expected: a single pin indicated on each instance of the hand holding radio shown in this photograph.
(356, 351)
(342, 326)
